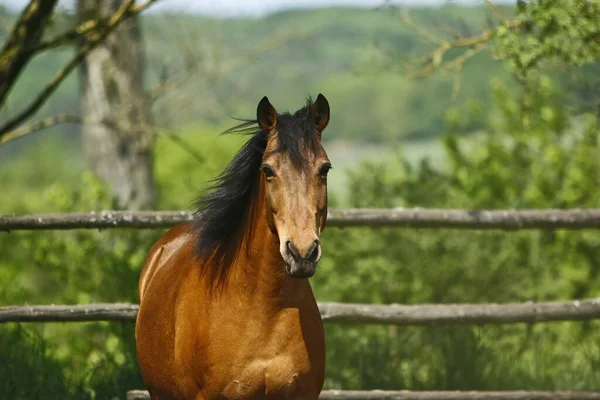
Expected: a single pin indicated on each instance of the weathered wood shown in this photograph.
(407, 218)
(446, 314)
(395, 314)
(432, 395)
(65, 313)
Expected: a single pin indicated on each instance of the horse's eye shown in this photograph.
(268, 171)
(324, 170)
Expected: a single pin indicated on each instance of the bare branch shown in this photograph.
(458, 63)
(272, 42)
(87, 28)
(74, 119)
(422, 33)
(127, 9)
(426, 65)
(499, 14)
(80, 31)
(173, 85)
(26, 34)
(38, 126)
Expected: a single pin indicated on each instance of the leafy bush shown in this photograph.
(89, 360)
(527, 158)
(28, 371)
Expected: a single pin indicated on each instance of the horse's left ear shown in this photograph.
(320, 113)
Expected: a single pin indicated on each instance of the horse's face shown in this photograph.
(294, 169)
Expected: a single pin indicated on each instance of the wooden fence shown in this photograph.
(392, 314)
(396, 314)
(430, 395)
(400, 217)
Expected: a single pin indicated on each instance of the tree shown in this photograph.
(541, 33)
(117, 136)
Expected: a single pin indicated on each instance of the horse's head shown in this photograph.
(294, 169)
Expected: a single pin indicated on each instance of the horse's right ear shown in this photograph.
(320, 113)
(266, 115)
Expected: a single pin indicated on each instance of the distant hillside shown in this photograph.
(337, 54)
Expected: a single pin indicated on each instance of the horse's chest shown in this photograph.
(281, 377)
(270, 355)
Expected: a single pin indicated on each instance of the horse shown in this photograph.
(226, 309)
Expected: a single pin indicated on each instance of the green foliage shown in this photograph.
(91, 360)
(181, 176)
(548, 164)
(527, 158)
(56, 267)
(531, 153)
(27, 370)
(563, 32)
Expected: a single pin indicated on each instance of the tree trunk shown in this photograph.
(117, 136)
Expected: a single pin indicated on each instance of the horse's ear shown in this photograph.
(320, 113)
(266, 115)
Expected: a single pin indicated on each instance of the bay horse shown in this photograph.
(226, 307)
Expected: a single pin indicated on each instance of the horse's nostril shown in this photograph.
(313, 252)
(293, 250)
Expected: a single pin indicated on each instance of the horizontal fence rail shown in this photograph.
(395, 314)
(431, 395)
(410, 218)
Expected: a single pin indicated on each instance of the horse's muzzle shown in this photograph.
(301, 268)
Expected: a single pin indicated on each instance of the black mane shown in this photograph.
(222, 213)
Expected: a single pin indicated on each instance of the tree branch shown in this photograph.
(80, 31)
(127, 10)
(435, 60)
(25, 35)
(74, 119)
(38, 126)
(87, 28)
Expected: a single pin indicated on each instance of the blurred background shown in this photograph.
(449, 104)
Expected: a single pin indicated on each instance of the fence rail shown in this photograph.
(431, 395)
(395, 314)
(409, 218)
(428, 314)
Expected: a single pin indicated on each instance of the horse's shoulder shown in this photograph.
(178, 238)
